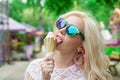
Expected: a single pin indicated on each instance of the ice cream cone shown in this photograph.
(49, 44)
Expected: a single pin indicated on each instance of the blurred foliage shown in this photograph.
(16, 8)
(32, 12)
(26, 12)
(110, 49)
(100, 9)
(57, 7)
(30, 17)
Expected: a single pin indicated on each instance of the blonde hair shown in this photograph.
(96, 62)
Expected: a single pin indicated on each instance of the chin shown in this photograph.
(59, 47)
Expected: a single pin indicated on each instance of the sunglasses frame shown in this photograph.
(68, 25)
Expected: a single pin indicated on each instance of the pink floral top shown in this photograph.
(33, 72)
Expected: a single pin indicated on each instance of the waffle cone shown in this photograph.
(50, 44)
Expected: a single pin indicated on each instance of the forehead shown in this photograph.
(77, 21)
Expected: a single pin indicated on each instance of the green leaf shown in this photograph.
(109, 50)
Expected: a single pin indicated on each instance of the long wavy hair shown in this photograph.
(96, 62)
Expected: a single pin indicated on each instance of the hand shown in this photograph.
(47, 66)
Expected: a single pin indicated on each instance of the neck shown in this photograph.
(63, 60)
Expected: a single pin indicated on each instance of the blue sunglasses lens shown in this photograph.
(61, 23)
(71, 30)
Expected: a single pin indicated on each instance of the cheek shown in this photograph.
(72, 43)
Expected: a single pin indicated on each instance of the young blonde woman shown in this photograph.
(78, 55)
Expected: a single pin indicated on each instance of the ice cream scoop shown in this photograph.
(49, 44)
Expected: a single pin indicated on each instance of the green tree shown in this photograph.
(47, 14)
(100, 9)
(57, 7)
(16, 8)
(26, 12)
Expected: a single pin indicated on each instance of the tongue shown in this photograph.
(59, 40)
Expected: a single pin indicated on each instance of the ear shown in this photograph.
(81, 50)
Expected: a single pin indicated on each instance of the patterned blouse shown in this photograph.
(33, 72)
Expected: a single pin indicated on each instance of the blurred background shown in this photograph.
(24, 24)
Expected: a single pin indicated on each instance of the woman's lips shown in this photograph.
(59, 39)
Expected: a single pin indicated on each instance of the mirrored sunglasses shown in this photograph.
(71, 30)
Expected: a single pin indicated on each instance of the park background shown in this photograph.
(25, 23)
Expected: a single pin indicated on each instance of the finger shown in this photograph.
(50, 62)
(50, 66)
(47, 63)
(47, 59)
(47, 70)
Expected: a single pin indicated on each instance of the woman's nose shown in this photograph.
(61, 31)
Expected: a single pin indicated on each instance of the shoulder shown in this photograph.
(33, 69)
(34, 64)
(36, 61)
